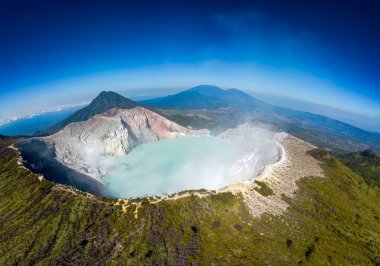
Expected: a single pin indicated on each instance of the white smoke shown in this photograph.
(259, 146)
(174, 165)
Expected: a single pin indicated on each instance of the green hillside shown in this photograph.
(366, 164)
(334, 220)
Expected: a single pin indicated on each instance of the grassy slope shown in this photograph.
(332, 220)
(366, 164)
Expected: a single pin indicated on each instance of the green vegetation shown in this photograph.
(366, 164)
(332, 220)
(263, 189)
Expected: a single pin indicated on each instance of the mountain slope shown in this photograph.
(214, 108)
(81, 151)
(206, 97)
(319, 130)
(115, 132)
(102, 103)
(323, 131)
(232, 97)
(186, 100)
(330, 221)
(366, 164)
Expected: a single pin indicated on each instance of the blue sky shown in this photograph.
(63, 52)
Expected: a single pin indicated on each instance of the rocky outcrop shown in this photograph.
(280, 178)
(117, 131)
(88, 146)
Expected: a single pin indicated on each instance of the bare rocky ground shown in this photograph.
(280, 177)
(263, 193)
(86, 147)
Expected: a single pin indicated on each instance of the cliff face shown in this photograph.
(88, 146)
(117, 131)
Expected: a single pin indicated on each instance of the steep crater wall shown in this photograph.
(87, 155)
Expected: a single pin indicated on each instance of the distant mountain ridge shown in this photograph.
(206, 97)
(210, 106)
(319, 130)
(105, 101)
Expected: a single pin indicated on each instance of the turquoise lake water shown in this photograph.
(172, 165)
